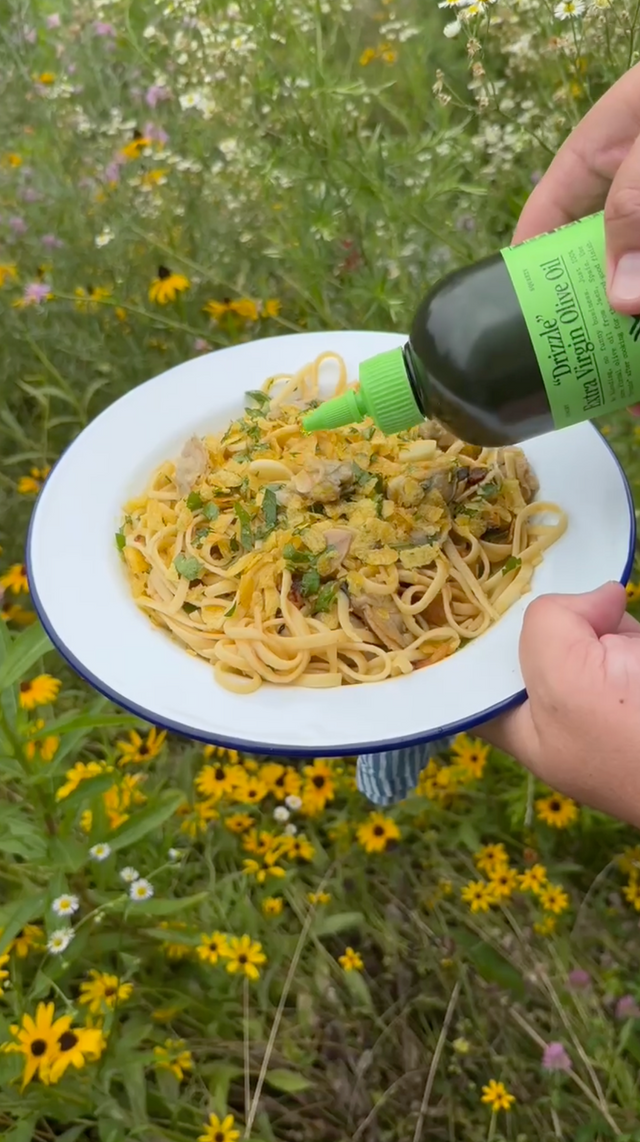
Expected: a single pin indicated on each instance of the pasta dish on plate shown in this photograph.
(341, 557)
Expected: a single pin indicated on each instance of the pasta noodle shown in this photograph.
(344, 557)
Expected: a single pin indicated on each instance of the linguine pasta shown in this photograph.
(341, 557)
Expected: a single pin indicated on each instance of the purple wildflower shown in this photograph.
(30, 194)
(156, 94)
(101, 28)
(555, 1058)
(579, 979)
(35, 293)
(51, 242)
(53, 21)
(112, 171)
(156, 134)
(18, 225)
(627, 1008)
(200, 345)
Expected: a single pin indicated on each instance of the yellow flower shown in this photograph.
(490, 858)
(281, 780)
(388, 55)
(437, 783)
(631, 893)
(47, 78)
(15, 579)
(37, 1040)
(216, 309)
(133, 149)
(554, 899)
(471, 754)
(44, 748)
(533, 879)
(557, 810)
(29, 938)
(7, 274)
(351, 960)
(30, 485)
(219, 1130)
(496, 1096)
(261, 872)
(167, 286)
(271, 307)
(546, 926)
(367, 57)
(211, 948)
(140, 749)
(103, 990)
(172, 1057)
(263, 843)
(633, 589)
(478, 895)
(296, 848)
(318, 898)
(197, 817)
(503, 883)
(629, 860)
(4, 974)
(272, 905)
(245, 956)
(18, 615)
(249, 790)
(88, 300)
(318, 788)
(244, 307)
(229, 755)
(238, 822)
(81, 771)
(213, 781)
(374, 835)
(39, 691)
(75, 1045)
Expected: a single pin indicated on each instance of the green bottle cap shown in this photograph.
(385, 395)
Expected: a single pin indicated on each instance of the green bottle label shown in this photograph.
(588, 355)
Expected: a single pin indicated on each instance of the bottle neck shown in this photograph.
(417, 376)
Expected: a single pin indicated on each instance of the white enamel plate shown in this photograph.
(82, 597)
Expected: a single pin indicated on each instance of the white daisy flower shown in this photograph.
(100, 851)
(59, 941)
(65, 905)
(141, 889)
(569, 9)
(104, 237)
(280, 814)
(452, 29)
(293, 802)
(291, 830)
(129, 874)
(175, 854)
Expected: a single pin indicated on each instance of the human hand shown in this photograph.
(579, 730)
(599, 165)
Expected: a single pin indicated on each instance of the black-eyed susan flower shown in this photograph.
(557, 810)
(297, 848)
(39, 691)
(478, 895)
(261, 872)
(174, 1057)
(4, 973)
(375, 834)
(230, 756)
(81, 771)
(633, 592)
(319, 787)
(245, 957)
(533, 879)
(238, 822)
(350, 960)
(197, 818)
(139, 749)
(631, 893)
(470, 754)
(546, 926)
(41, 746)
(553, 898)
(29, 938)
(272, 905)
(491, 857)
(249, 790)
(271, 307)
(103, 992)
(167, 286)
(503, 882)
(213, 947)
(8, 273)
(15, 579)
(13, 613)
(37, 1040)
(245, 308)
(496, 1095)
(214, 781)
(46, 78)
(219, 1130)
(318, 898)
(30, 485)
(75, 1047)
(281, 780)
(134, 149)
(88, 300)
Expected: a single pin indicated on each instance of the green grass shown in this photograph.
(295, 169)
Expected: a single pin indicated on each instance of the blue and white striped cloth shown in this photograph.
(393, 775)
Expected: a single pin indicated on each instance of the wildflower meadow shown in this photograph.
(203, 946)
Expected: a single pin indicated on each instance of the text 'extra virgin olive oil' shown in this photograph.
(516, 345)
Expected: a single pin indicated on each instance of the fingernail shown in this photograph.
(625, 283)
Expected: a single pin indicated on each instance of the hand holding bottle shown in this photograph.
(579, 730)
(598, 165)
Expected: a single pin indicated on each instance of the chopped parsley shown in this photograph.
(325, 598)
(200, 536)
(260, 398)
(121, 541)
(188, 566)
(295, 557)
(189, 608)
(488, 490)
(194, 501)
(270, 509)
(310, 584)
(246, 535)
(211, 511)
(231, 612)
(512, 564)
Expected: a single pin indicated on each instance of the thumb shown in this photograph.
(601, 609)
(622, 229)
(555, 626)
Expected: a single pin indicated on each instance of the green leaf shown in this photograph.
(468, 836)
(26, 649)
(326, 596)
(14, 920)
(194, 501)
(70, 723)
(67, 854)
(512, 563)
(147, 821)
(359, 989)
(155, 907)
(246, 535)
(121, 541)
(339, 922)
(133, 1080)
(270, 509)
(290, 1082)
(211, 511)
(219, 1077)
(495, 968)
(259, 397)
(190, 568)
(23, 1131)
(310, 584)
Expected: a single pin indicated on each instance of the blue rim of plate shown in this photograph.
(348, 750)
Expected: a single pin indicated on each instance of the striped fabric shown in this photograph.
(392, 776)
